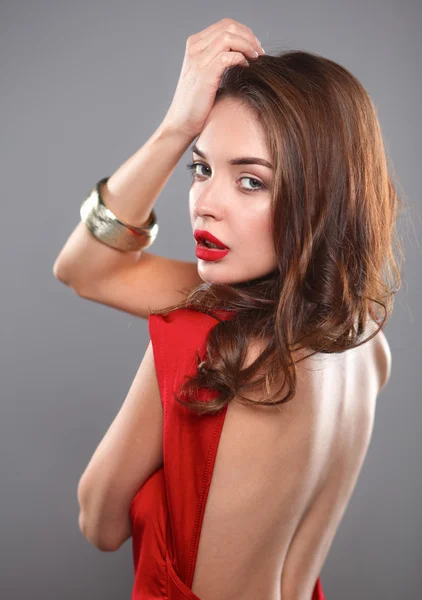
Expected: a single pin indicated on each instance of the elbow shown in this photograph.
(93, 537)
(58, 273)
(64, 278)
(89, 530)
(92, 523)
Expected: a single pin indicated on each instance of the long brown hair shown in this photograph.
(334, 208)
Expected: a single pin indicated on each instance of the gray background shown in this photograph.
(84, 84)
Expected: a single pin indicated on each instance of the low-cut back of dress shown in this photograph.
(168, 509)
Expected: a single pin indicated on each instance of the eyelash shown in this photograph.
(191, 166)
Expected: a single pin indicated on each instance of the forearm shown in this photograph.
(130, 194)
(132, 190)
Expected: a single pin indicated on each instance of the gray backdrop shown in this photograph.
(84, 84)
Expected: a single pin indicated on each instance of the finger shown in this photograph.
(226, 42)
(229, 25)
(224, 60)
(201, 34)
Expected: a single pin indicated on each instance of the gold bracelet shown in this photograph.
(107, 228)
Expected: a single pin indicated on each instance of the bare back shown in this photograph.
(273, 527)
(275, 504)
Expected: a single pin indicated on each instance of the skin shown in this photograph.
(219, 200)
(282, 478)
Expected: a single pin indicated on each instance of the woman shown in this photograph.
(239, 444)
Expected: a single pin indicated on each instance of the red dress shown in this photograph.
(168, 509)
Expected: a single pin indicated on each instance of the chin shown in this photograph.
(206, 274)
(219, 278)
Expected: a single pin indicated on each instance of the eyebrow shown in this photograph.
(243, 160)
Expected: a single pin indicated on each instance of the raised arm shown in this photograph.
(134, 281)
(130, 281)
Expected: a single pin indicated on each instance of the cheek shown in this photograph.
(257, 228)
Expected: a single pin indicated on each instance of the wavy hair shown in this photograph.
(334, 208)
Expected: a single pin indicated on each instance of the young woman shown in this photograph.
(240, 442)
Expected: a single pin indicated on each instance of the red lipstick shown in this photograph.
(203, 251)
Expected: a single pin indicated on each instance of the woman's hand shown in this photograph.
(208, 53)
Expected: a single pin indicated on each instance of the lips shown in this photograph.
(201, 234)
(210, 254)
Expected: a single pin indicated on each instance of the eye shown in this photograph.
(261, 185)
(192, 165)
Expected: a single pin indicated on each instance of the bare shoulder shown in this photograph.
(385, 357)
(382, 353)
(150, 282)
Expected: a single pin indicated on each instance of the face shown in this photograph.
(233, 202)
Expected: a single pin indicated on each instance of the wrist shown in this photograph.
(167, 129)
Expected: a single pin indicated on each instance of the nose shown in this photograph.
(207, 200)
